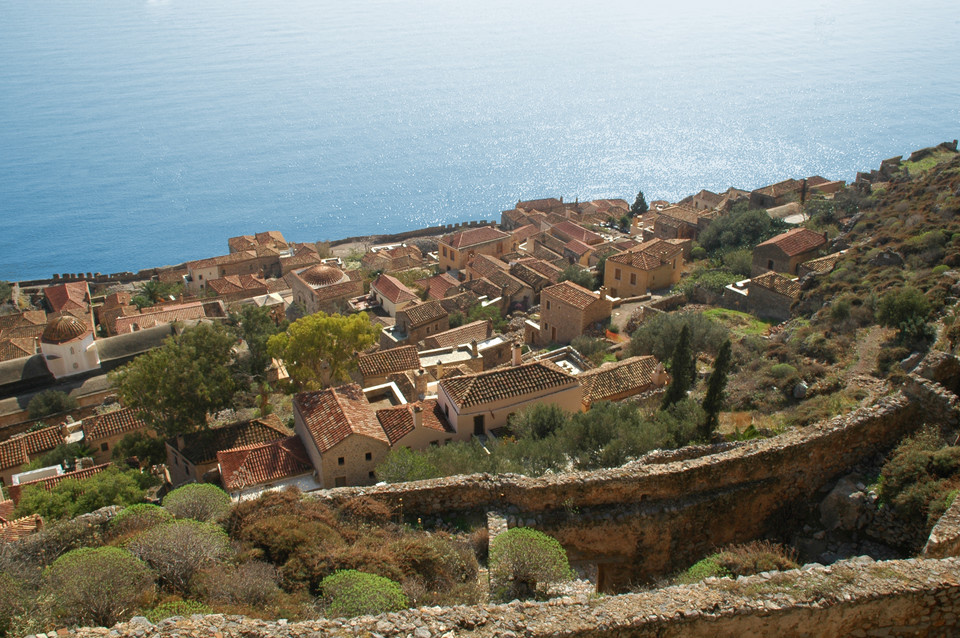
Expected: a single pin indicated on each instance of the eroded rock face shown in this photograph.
(887, 258)
(847, 506)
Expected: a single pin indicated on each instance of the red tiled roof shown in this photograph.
(525, 232)
(630, 375)
(545, 268)
(641, 261)
(48, 483)
(26, 318)
(17, 348)
(438, 285)
(780, 188)
(796, 241)
(349, 288)
(70, 296)
(573, 231)
(222, 260)
(473, 237)
(333, 414)
(540, 204)
(393, 289)
(680, 212)
(423, 313)
(383, 362)
(777, 283)
(398, 421)
(822, 264)
(202, 447)
(14, 530)
(259, 463)
(167, 314)
(238, 283)
(466, 333)
(112, 423)
(503, 383)
(13, 453)
(577, 247)
(6, 510)
(572, 294)
(484, 265)
(545, 254)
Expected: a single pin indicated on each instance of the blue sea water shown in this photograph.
(136, 133)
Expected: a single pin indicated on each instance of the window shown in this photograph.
(435, 443)
(616, 274)
(72, 351)
(199, 276)
(548, 304)
(371, 474)
(444, 251)
(340, 481)
(633, 279)
(104, 447)
(340, 460)
(769, 264)
(369, 456)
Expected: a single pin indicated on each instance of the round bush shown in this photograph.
(199, 501)
(349, 593)
(521, 559)
(179, 549)
(137, 518)
(97, 586)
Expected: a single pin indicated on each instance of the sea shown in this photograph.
(140, 133)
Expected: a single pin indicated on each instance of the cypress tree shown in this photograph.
(639, 205)
(682, 369)
(716, 385)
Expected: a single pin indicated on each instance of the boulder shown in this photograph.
(846, 507)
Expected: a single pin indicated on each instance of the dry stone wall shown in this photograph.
(853, 598)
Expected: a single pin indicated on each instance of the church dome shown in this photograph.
(322, 275)
(63, 329)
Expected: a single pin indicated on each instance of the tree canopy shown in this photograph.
(255, 326)
(174, 387)
(741, 227)
(318, 340)
(521, 559)
(683, 369)
(717, 384)
(639, 206)
(578, 275)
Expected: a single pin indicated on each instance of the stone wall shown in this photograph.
(944, 538)
(852, 598)
(643, 520)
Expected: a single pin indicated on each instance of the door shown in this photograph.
(478, 429)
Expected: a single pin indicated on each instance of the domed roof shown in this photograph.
(322, 275)
(63, 329)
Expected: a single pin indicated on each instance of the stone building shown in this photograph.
(250, 470)
(391, 293)
(17, 451)
(457, 249)
(393, 259)
(770, 296)
(627, 378)
(375, 367)
(415, 323)
(567, 310)
(652, 265)
(323, 288)
(785, 252)
(102, 433)
(262, 261)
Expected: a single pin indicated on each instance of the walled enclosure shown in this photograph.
(644, 520)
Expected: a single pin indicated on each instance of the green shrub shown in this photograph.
(199, 501)
(704, 568)
(50, 402)
(179, 549)
(97, 586)
(658, 335)
(349, 593)
(524, 559)
(149, 450)
(176, 608)
(782, 371)
(137, 518)
(939, 270)
(741, 560)
(71, 498)
(919, 474)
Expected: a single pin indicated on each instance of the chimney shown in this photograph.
(417, 417)
(603, 292)
(474, 348)
(439, 372)
(516, 354)
(659, 376)
(420, 383)
(325, 374)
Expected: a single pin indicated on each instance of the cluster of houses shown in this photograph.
(425, 383)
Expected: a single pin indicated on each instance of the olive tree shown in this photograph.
(199, 501)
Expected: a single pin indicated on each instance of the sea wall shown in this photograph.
(851, 598)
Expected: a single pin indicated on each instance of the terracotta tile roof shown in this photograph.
(393, 289)
(573, 231)
(167, 314)
(524, 232)
(48, 483)
(822, 264)
(20, 319)
(112, 423)
(780, 188)
(483, 287)
(202, 447)
(545, 268)
(281, 284)
(383, 362)
(529, 276)
(17, 348)
(796, 241)
(344, 289)
(438, 286)
(13, 453)
(778, 284)
(641, 261)
(222, 260)
(507, 283)
(543, 253)
(14, 530)
(238, 283)
(6, 510)
(260, 463)
(503, 383)
(401, 252)
(270, 238)
(485, 265)
(540, 204)
(605, 204)
(333, 414)
(473, 237)
(680, 212)
(466, 333)
(462, 301)
(74, 295)
(577, 247)
(570, 293)
(398, 421)
(549, 241)
(630, 375)
(648, 255)
(423, 313)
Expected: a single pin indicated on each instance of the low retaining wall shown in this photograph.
(915, 597)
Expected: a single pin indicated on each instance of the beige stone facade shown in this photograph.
(567, 310)
(456, 250)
